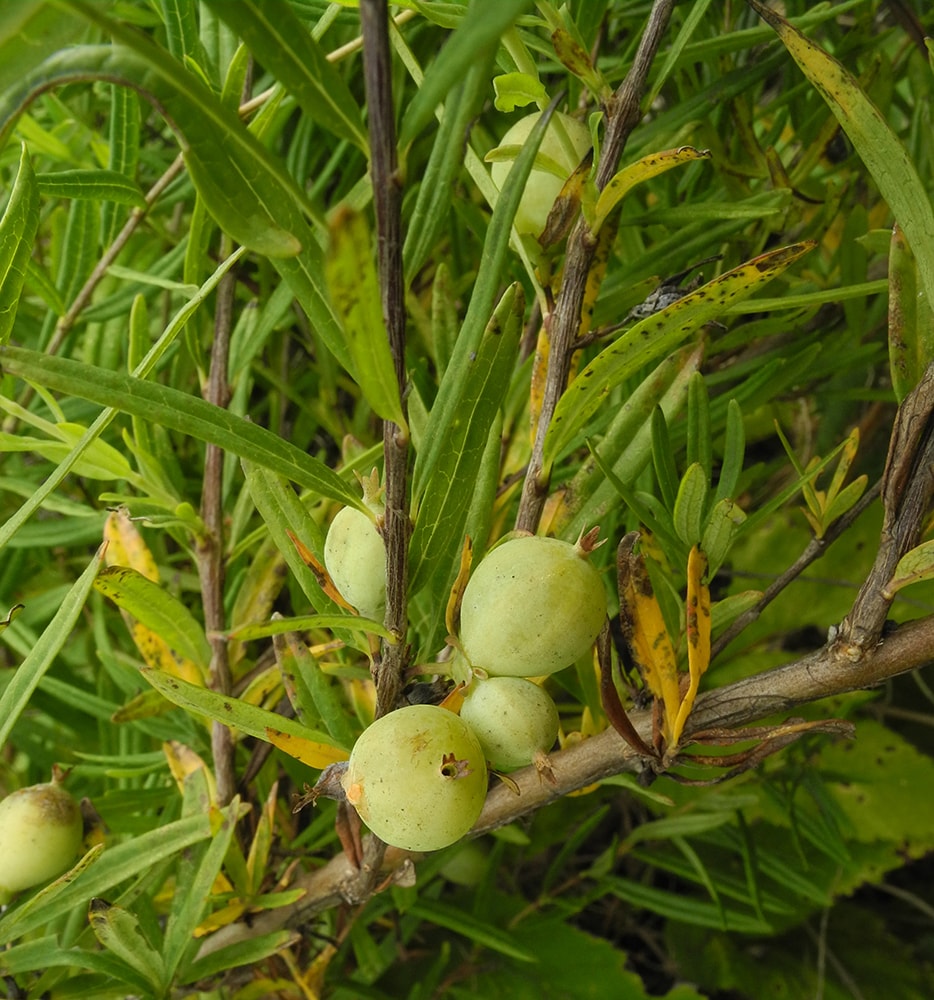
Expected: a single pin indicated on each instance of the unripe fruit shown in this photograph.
(417, 777)
(514, 720)
(355, 557)
(533, 606)
(565, 142)
(40, 835)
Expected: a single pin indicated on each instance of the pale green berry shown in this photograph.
(564, 144)
(533, 606)
(514, 719)
(355, 557)
(40, 836)
(417, 777)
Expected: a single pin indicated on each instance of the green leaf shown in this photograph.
(666, 473)
(17, 235)
(911, 319)
(878, 146)
(189, 907)
(30, 31)
(734, 449)
(481, 28)
(455, 919)
(180, 412)
(444, 497)
(355, 292)
(283, 45)
(656, 335)
(516, 90)
(157, 609)
(17, 693)
(725, 517)
(231, 711)
(688, 513)
(120, 932)
(314, 689)
(914, 566)
(100, 185)
(250, 952)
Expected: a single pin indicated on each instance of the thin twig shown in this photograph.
(622, 114)
(815, 548)
(387, 197)
(210, 547)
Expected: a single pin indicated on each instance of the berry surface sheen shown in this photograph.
(355, 557)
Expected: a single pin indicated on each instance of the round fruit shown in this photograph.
(40, 835)
(417, 777)
(565, 142)
(533, 606)
(514, 720)
(355, 557)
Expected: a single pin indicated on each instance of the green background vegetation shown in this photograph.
(147, 222)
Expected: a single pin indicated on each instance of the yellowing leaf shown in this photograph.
(642, 170)
(126, 547)
(698, 634)
(913, 567)
(316, 755)
(645, 634)
(159, 654)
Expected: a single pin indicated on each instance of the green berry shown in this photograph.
(533, 606)
(40, 836)
(514, 719)
(355, 557)
(565, 142)
(417, 777)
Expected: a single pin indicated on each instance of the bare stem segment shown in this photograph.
(387, 198)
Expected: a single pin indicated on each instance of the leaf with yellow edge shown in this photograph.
(655, 336)
(316, 755)
(161, 612)
(233, 712)
(642, 170)
(698, 633)
(644, 631)
(126, 546)
(183, 762)
(159, 655)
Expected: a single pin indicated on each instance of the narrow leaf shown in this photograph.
(644, 632)
(120, 932)
(911, 319)
(99, 185)
(354, 286)
(690, 503)
(282, 43)
(878, 146)
(17, 235)
(642, 170)
(232, 712)
(656, 335)
(698, 635)
(181, 412)
(18, 691)
(444, 498)
(157, 609)
(914, 566)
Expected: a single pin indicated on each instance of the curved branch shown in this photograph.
(822, 674)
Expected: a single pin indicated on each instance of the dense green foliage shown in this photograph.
(194, 366)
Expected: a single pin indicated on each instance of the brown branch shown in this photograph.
(822, 674)
(209, 550)
(623, 112)
(387, 197)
